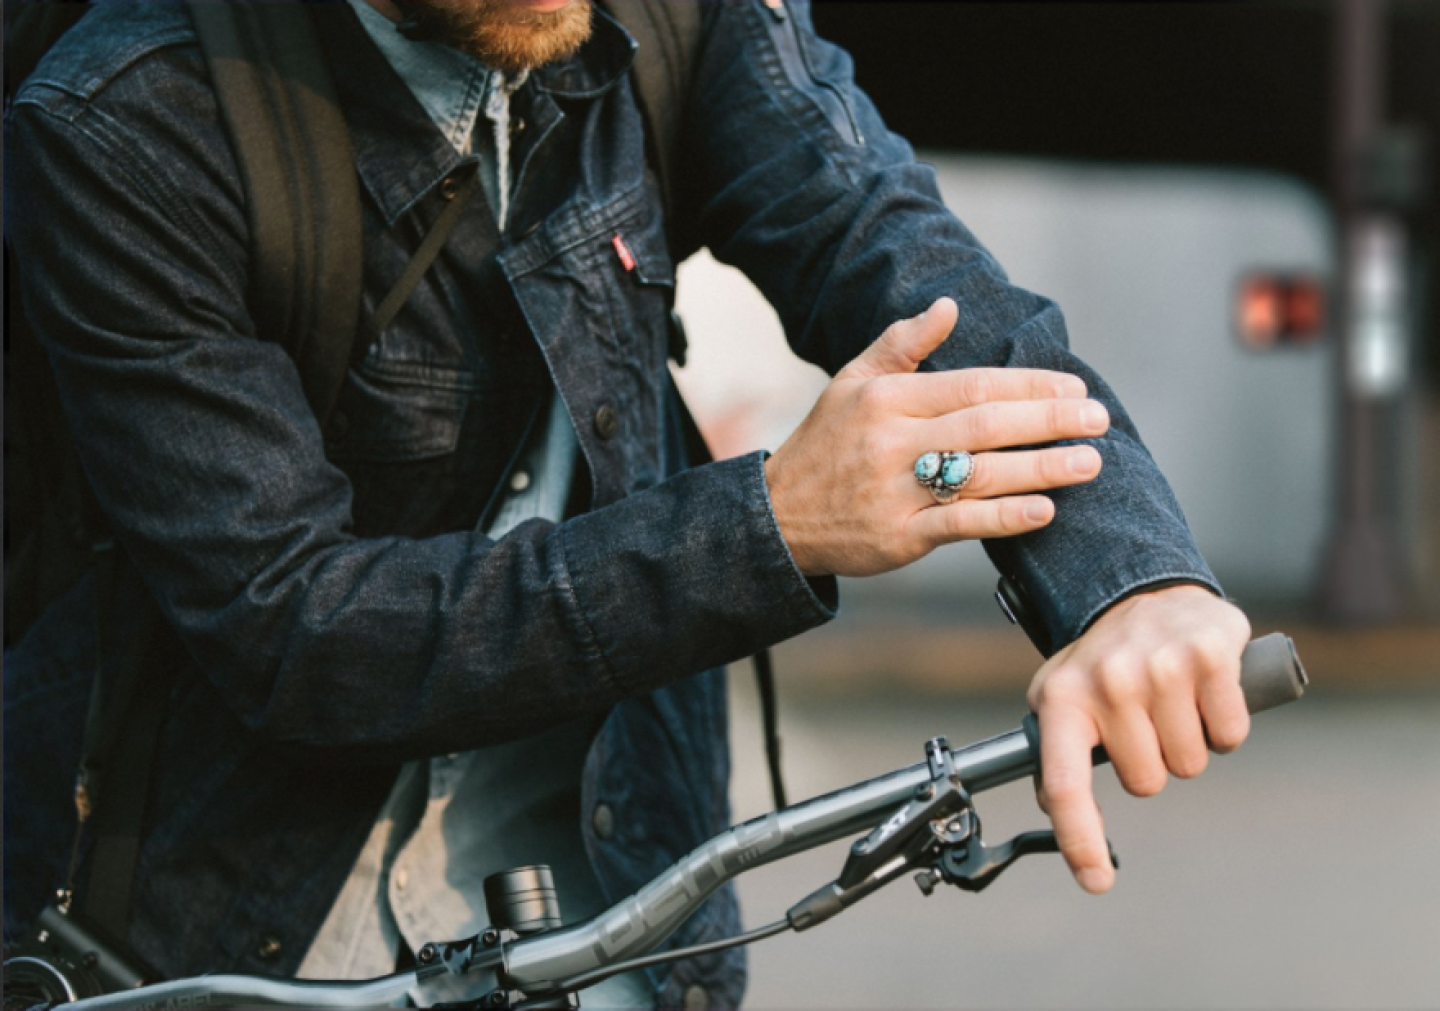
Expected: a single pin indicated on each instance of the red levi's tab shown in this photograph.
(627, 258)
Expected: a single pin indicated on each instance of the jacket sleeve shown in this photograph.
(209, 466)
(797, 182)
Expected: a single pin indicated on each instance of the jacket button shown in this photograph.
(696, 999)
(269, 948)
(607, 422)
(338, 426)
(604, 821)
(449, 187)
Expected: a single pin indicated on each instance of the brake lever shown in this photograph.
(974, 865)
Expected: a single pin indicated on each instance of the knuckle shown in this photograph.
(1051, 468)
(1062, 687)
(1212, 651)
(1012, 517)
(1228, 734)
(984, 424)
(978, 386)
(1063, 418)
(983, 478)
(872, 399)
(1117, 683)
(1170, 671)
(952, 526)
(1189, 764)
(1064, 784)
(1146, 782)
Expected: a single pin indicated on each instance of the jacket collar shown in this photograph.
(399, 153)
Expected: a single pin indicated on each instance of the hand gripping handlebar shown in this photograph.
(571, 957)
(1271, 675)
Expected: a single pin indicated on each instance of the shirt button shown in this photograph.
(402, 878)
(338, 426)
(449, 187)
(696, 999)
(520, 480)
(269, 948)
(604, 821)
(607, 422)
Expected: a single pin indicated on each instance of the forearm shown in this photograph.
(213, 475)
(847, 238)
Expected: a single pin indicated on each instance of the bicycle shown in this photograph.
(919, 819)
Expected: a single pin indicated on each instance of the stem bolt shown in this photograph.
(490, 937)
(426, 955)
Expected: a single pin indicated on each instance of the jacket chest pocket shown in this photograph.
(636, 278)
(395, 433)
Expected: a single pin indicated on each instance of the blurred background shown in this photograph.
(1237, 206)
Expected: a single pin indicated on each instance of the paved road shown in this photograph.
(1301, 872)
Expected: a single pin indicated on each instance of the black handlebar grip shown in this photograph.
(1270, 675)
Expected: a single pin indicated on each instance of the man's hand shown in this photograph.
(843, 486)
(1152, 679)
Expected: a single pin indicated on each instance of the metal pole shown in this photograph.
(1362, 580)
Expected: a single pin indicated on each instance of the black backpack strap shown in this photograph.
(292, 146)
(697, 451)
(669, 34)
(303, 200)
(122, 733)
(415, 270)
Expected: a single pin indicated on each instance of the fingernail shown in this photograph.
(1036, 511)
(1093, 879)
(1081, 462)
(1094, 417)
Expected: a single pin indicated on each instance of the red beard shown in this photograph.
(497, 33)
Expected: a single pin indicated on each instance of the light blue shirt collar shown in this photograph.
(449, 85)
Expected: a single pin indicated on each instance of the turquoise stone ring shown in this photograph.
(944, 474)
(927, 468)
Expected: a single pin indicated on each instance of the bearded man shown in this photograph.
(474, 623)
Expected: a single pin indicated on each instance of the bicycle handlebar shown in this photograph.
(1271, 675)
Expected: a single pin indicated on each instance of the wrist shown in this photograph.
(780, 500)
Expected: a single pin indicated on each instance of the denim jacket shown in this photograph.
(339, 613)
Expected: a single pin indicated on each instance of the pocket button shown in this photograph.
(603, 821)
(607, 422)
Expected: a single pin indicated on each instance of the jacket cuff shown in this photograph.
(688, 575)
